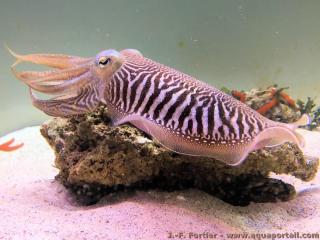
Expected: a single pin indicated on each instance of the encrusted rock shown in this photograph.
(95, 159)
(281, 112)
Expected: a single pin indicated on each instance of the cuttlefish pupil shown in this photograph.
(182, 113)
(103, 61)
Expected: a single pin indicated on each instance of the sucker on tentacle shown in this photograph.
(181, 112)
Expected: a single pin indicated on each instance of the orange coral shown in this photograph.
(266, 107)
(7, 148)
(288, 99)
(277, 95)
(241, 96)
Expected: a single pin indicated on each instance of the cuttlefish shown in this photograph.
(182, 113)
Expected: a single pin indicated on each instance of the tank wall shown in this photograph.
(237, 44)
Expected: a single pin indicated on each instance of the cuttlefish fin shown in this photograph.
(280, 133)
(303, 121)
(230, 155)
(175, 143)
(147, 126)
(274, 136)
(118, 119)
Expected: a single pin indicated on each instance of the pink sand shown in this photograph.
(34, 206)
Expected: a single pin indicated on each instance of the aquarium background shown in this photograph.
(239, 44)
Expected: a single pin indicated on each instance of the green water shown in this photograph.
(237, 44)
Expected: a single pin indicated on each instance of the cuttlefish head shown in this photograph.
(77, 83)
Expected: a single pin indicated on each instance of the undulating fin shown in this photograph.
(290, 128)
(301, 140)
(303, 121)
(274, 136)
(231, 156)
(115, 116)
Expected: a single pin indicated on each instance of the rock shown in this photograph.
(95, 159)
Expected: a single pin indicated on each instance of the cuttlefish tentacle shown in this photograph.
(182, 113)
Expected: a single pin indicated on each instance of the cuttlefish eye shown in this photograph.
(103, 61)
(106, 58)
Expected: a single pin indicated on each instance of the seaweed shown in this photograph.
(315, 119)
(226, 90)
(309, 107)
(306, 107)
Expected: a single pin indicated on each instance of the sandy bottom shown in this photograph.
(34, 206)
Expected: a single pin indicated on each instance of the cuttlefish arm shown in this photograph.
(69, 72)
(59, 61)
(66, 105)
(77, 83)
